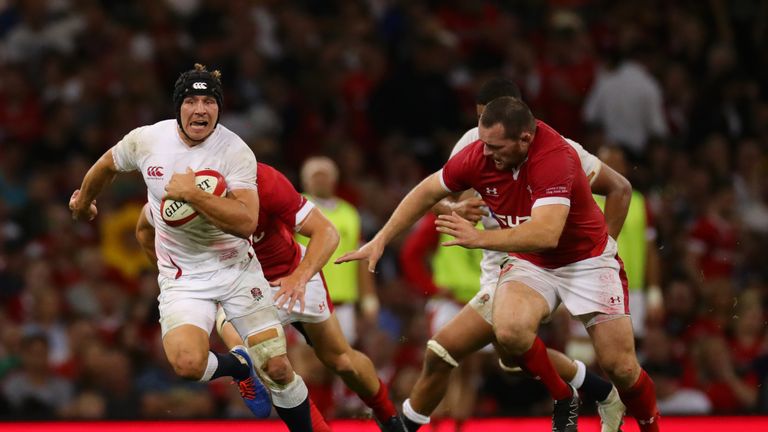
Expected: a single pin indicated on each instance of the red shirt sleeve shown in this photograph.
(457, 173)
(418, 246)
(280, 198)
(551, 177)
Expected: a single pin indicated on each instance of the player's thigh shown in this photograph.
(186, 341)
(327, 337)
(613, 339)
(525, 295)
(466, 333)
(179, 307)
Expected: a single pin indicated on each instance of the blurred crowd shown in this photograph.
(384, 87)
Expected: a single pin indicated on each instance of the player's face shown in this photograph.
(507, 153)
(322, 184)
(198, 116)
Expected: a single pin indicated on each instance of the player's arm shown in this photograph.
(145, 235)
(418, 201)
(323, 240)
(236, 214)
(542, 231)
(618, 193)
(465, 204)
(82, 203)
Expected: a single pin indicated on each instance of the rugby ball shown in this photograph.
(177, 213)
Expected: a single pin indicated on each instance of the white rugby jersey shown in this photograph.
(157, 151)
(490, 265)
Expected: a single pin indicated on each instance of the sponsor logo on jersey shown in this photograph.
(257, 238)
(510, 221)
(491, 191)
(155, 172)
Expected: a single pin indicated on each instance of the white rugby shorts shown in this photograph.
(240, 289)
(593, 285)
(317, 303)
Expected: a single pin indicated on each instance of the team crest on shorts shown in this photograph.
(257, 294)
(484, 298)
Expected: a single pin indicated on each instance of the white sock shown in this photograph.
(581, 372)
(292, 395)
(412, 415)
(210, 368)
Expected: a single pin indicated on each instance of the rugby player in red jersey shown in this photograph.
(560, 251)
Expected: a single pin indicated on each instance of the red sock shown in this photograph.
(640, 400)
(536, 362)
(318, 422)
(382, 407)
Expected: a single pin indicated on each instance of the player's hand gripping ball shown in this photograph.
(177, 213)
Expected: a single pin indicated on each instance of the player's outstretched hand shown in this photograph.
(80, 213)
(292, 290)
(464, 232)
(180, 185)
(371, 251)
(471, 209)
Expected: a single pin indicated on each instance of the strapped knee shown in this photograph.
(441, 352)
(266, 344)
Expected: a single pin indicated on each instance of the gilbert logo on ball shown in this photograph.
(178, 213)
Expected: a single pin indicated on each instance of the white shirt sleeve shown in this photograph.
(243, 172)
(589, 162)
(126, 152)
(469, 137)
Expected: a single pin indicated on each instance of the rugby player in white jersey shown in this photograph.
(472, 325)
(209, 259)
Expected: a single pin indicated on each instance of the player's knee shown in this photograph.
(340, 364)
(434, 364)
(516, 338)
(279, 370)
(438, 359)
(190, 366)
(621, 367)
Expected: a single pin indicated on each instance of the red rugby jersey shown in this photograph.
(281, 210)
(551, 174)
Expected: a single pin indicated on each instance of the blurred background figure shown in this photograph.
(351, 288)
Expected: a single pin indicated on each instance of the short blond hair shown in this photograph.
(318, 164)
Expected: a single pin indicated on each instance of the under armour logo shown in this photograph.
(155, 171)
(491, 191)
(615, 300)
(200, 86)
